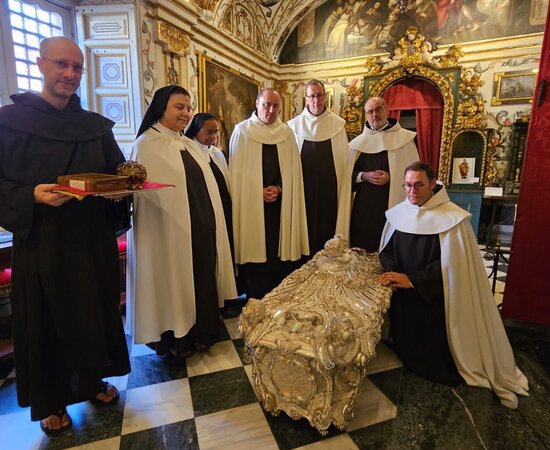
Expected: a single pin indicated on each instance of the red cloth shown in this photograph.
(423, 97)
(121, 246)
(5, 277)
(527, 293)
(147, 186)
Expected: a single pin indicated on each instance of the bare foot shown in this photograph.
(56, 422)
(107, 394)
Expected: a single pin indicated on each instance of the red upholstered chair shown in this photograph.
(122, 261)
(5, 282)
(6, 345)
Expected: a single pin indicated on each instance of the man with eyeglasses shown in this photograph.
(267, 193)
(444, 321)
(382, 150)
(323, 143)
(67, 326)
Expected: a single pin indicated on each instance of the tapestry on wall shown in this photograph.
(341, 29)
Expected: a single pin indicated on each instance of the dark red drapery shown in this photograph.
(527, 291)
(425, 99)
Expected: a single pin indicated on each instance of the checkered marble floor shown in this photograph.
(208, 404)
(502, 269)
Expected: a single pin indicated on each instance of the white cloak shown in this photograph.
(477, 338)
(160, 289)
(246, 188)
(309, 127)
(402, 151)
(217, 156)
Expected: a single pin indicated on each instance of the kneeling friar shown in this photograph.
(444, 320)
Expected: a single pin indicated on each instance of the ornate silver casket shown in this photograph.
(310, 339)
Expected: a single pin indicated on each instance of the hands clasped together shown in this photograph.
(377, 177)
(271, 193)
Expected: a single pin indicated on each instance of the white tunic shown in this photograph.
(399, 143)
(309, 127)
(246, 188)
(477, 338)
(217, 156)
(160, 288)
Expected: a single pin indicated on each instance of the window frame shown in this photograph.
(8, 75)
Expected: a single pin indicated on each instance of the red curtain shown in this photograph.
(527, 291)
(425, 99)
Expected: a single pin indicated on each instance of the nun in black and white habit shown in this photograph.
(179, 259)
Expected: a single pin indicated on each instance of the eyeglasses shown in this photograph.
(61, 64)
(376, 110)
(211, 132)
(415, 186)
(315, 96)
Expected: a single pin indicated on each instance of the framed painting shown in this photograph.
(464, 170)
(514, 87)
(226, 93)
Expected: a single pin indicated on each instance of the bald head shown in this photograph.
(60, 62)
(376, 112)
(268, 105)
(58, 43)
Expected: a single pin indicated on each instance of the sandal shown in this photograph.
(200, 347)
(177, 358)
(102, 389)
(55, 431)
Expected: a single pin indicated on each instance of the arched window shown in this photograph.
(23, 24)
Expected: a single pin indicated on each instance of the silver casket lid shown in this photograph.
(310, 339)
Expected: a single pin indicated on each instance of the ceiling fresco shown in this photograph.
(262, 25)
(300, 31)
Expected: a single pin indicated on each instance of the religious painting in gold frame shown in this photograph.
(227, 93)
(513, 88)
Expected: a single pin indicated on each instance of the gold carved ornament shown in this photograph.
(491, 167)
(352, 112)
(443, 84)
(413, 56)
(471, 109)
(173, 39)
(281, 87)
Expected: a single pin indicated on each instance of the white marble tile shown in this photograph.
(232, 325)
(157, 404)
(384, 359)
(141, 350)
(221, 356)
(340, 442)
(371, 407)
(105, 444)
(18, 432)
(119, 382)
(499, 286)
(239, 428)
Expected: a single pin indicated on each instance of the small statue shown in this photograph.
(464, 169)
(135, 172)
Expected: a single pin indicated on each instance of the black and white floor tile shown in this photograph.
(210, 404)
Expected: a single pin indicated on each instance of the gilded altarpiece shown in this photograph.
(414, 57)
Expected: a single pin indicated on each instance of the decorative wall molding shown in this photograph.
(173, 39)
(107, 34)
